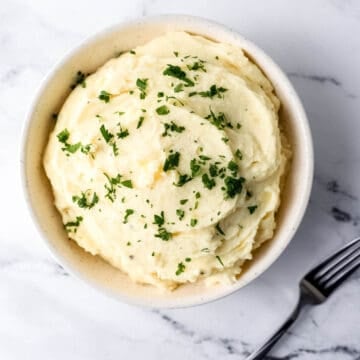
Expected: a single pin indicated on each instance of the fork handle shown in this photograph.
(264, 349)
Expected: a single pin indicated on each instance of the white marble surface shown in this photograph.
(46, 314)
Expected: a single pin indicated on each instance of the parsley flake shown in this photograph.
(162, 110)
(172, 127)
(172, 161)
(252, 209)
(176, 72)
(84, 201)
(180, 269)
(128, 212)
(72, 226)
(104, 96)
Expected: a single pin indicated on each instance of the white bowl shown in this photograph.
(88, 57)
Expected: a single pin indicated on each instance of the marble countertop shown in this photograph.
(46, 314)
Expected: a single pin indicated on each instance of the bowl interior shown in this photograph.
(87, 58)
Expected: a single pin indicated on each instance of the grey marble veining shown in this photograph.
(47, 314)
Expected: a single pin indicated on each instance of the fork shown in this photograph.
(316, 286)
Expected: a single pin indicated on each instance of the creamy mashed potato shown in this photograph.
(167, 161)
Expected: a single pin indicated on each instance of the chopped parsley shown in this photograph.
(219, 230)
(123, 133)
(79, 80)
(180, 269)
(104, 96)
(132, 52)
(179, 88)
(63, 138)
(238, 154)
(176, 72)
(208, 183)
(107, 135)
(109, 139)
(197, 65)
(172, 127)
(233, 186)
(163, 234)
(176, 53)
(252, 209)
(84, 202)
(172, 161)
(233, 167)
(183, 179)
(187, 259)
(219, 260)
(160, 94)
(162, 110)
(159, 219)
(115, 182)
(140, 122)
(195, 168)
(197, 195)
(193, 222)
(128, 212)
(218, 120)
(180, 213)
(72, 226)
(213, 91)
(184, 201)
(142, 84)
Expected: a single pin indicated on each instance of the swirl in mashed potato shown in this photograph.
(167, 161)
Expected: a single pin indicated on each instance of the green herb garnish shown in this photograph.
(208, 183)
(109, 139)
(63, 137)
(183, 179)
(195, 168)
(218, 120)
(238, 154)
(123, 133)
(163, 234)
(140, 122)
(84, 202)
(180, 269)
(180, 213)
(172, 127)
(179, 88)
(162, 110)
(104, 96)
(72, 226)
(142, 84)
(128, 212)
(159, 219)
(176, 72)
(252, 209)
(193, 222)
(115, 182)
(79, 80)
(213, 91)
(172, 161)
(233, 186)
(197, 65)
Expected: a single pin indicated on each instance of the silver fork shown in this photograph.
(316, 286)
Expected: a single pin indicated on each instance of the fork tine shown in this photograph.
(324, 266)
(338, 280)
(338, 266)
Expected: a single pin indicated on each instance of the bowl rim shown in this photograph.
(158, 19)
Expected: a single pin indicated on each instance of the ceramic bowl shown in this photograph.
(88, 57)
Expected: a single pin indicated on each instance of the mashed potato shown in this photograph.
(167, 161)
